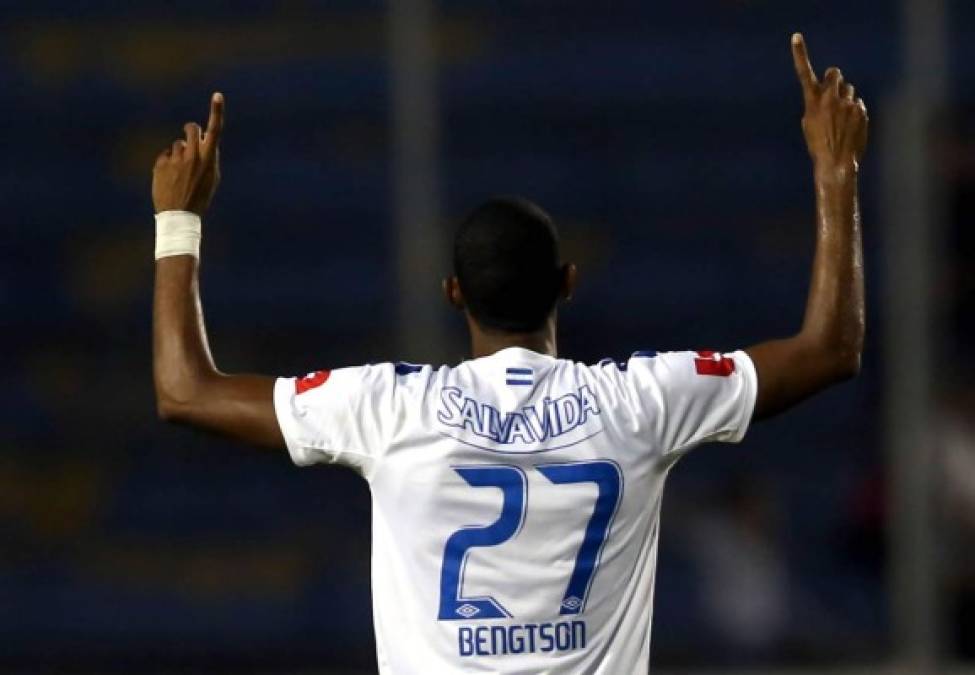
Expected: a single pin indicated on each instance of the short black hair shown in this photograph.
(506, 258)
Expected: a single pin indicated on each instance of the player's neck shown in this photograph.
(487, 342)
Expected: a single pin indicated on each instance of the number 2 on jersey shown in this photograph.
(513, 484)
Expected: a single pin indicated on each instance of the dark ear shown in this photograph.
(568, 286)
(452, 292)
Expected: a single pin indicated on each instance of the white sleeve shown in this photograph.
(694, 397)
(339, 416)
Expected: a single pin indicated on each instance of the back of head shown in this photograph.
(506, 258)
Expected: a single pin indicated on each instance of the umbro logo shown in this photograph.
(467, 610)
(572, 602)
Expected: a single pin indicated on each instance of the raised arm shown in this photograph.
(189, 388)
(827, 348)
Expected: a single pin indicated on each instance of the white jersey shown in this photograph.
(516, 497)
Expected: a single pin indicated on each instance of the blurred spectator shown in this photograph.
(956, 489)
(744, 579)
(955, 147)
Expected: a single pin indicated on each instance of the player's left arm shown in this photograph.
(190, 389)
(828, 347)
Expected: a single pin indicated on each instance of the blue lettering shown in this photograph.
(470, 415)
(588, 402)
(451, 408)
(499, 432)
(563, 636)
(578, 634)
(501, 640)
(545, 426)
(489, 422)
(545, 636)
(552, 412)
(465, 641)
(530, 627)
(480, 641)
(517, 429)
(497, 631)
(569, 411)
(515, 640)
(532, 424)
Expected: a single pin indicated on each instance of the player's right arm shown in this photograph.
(189, 388)
(338, 416)
(827, 348)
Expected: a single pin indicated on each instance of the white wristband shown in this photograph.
(177, 233)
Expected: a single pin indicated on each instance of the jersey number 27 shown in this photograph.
(514, 487)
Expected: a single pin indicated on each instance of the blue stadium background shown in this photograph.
(663, 137)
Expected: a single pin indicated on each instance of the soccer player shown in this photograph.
(516, 496)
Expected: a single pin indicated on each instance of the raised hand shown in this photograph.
(186, 174)
(835, 122)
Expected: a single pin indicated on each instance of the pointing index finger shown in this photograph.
(215, 123)
(804, 70)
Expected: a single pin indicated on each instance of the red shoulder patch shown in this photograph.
(712, 363)
(311, 380)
